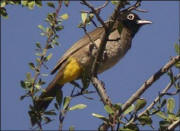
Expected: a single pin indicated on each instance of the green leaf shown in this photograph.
(28, 76)
(47, 119)
(83, 17)
(145, 120)
(42, 28)
(51, 112)
(38, 45)
(78, 106)
(108, 109)
(125, 129)
(66, 3)
(115, 2)
(177, 48)
(22, 84)
(31, 4)
(71, 128)
(31, 65)
(163, 103)
(3, 3)
(50, 4)
(140, 103)
(100, 117)
(64, 16)
(24, 2)
(3, 12)
(162, 115)
(38, 3)
(38, 86)
(59, 27)
(170, 105)
(47, 98)
(66, 102)
(172, 117)
(131, 127)
(130, 109)
(177, 64)
(117, 106)
(49, 57)
(164, 125)
(59, 97)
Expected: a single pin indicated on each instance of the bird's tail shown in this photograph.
(47, 96)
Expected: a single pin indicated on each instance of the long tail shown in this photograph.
(42, 103)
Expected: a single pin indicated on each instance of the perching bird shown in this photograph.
(80, 56)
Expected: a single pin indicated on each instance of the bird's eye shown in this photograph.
(130, 17)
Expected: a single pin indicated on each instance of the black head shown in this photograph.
(133, 22)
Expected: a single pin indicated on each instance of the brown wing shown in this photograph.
(95, 34)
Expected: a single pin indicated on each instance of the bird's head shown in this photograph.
(133, 22)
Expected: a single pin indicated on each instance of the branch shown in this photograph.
(156, 99)
(174, 125)
(161, 94)
(149, 82)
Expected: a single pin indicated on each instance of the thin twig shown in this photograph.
(156, 99)
(161, 94)
(149, 82)
(174, 125)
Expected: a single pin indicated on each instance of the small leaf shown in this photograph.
(49, 57)
(37, 86)
(164, 125)
(130, 109)
(163, 103)
(3, 3)
(58, 28)
(38, 45)
(100, 117)
(177, 48)
(31, 65)
(50, 4)
(71, 128)
(31, 4)
(3, 13)
(64, 16)
(59, 97)
(162, 115)
(78, 106)
(24, 2)
(83, 17)
(145, 120)
(115, 2)
(108, 109)
(47, 119)
(170, 105)
(47, 98)
(28, 76)
(22, 84)
(66, 3)
(51, 112)
(66, 102)
(41, 27)
(172, 117)
(131, 127)
(38, 3)
(177, 64)
(140, 103)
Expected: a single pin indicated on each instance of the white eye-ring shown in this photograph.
(130, 17)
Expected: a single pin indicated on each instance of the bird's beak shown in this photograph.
(142, 22)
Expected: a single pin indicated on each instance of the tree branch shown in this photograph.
(149, 82)
(161, 94)
(156, 99)
(173, 125)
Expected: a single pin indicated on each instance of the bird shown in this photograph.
(78, 59)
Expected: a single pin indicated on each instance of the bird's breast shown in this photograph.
(116, 48)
